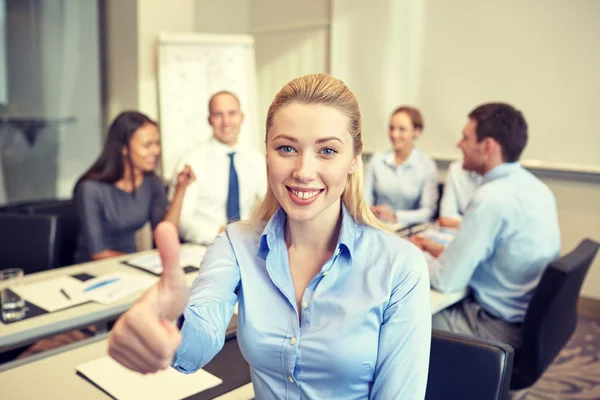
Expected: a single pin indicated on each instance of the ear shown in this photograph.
(354, 164)
(418, 133)
(242, 115)
(124, 151)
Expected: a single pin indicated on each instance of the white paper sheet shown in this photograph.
(152, 263)
(124, 384)
(47, 294)
(441, 235)
(123, 284)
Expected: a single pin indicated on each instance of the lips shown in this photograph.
(303, 197)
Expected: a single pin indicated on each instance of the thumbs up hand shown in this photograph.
(144, 339)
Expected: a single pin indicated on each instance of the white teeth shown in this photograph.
(305, 195)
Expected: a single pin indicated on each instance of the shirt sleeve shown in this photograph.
(191, 227)
(158, 207)
(449, 202)
(369, 185)
(89, 203)
(405, 336)
(473, 243)
(427, 202)
(210, 307)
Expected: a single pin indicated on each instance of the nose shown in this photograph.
(305, 169)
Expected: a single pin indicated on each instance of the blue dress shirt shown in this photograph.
(411, 188)
(508, 236)
(365, 325)
(458, 190)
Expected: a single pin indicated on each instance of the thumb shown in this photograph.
(167, 242)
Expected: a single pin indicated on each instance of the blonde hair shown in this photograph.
(326, 90)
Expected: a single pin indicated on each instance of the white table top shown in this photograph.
(47, 324)
(56, 377)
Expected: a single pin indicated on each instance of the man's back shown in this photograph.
(509, 235)
(528, 240)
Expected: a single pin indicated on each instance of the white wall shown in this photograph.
(131, 46)
(291, 40)
(428, 53)
(224, 16)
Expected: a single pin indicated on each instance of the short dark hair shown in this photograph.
(414, 115)
(503, 123)
(220, 93)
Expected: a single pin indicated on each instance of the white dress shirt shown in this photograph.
(204, 209)
(410, 189)
(458, 189)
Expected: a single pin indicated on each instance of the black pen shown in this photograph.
(65, 294)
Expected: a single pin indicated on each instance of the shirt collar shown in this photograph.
(274, 231)
(220, 147)
(501, 171)
(411, 161)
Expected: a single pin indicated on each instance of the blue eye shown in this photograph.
(285, 149)
(328, 151)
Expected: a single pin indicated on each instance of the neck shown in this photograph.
(490, 165)
(230, 144)
(401, 155)
(318, 235)
(128, 174)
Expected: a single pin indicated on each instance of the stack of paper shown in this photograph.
(66, 291)
(50, 295)
(109, 288)
(124, 384)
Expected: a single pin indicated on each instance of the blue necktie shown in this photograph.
(233, 196)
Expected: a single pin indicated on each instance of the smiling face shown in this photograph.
(144, 148)
(474, 152)
(402, 132)
(309, 156)
(226, 118)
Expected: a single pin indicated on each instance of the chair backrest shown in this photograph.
(464, 367)
(68, 225)
(552, 314)
(29, 242)
(440, 188)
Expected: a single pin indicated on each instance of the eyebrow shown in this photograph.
(322, 140)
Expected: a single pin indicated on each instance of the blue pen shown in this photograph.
(100, 284)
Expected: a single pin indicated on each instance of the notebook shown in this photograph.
(123, 384)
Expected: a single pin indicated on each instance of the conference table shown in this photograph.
(27, 331)
(54, 370)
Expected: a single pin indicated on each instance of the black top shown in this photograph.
(109, 217)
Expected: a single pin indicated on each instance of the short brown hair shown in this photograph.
(413, 113)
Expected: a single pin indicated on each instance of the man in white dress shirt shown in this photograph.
(230, 178)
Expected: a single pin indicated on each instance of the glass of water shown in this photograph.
(13, 305)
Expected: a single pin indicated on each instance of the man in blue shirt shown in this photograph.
(508, 236)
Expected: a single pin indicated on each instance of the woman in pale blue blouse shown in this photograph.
(330, 304)
(401, 185)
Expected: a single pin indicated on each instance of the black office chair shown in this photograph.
(439, 200)
(29, 242)
(468, 368)
(68, 225)
(552, 314)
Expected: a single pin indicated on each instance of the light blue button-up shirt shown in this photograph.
(411, 188)
(365, 326)
(458, 190)
(508, 236)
